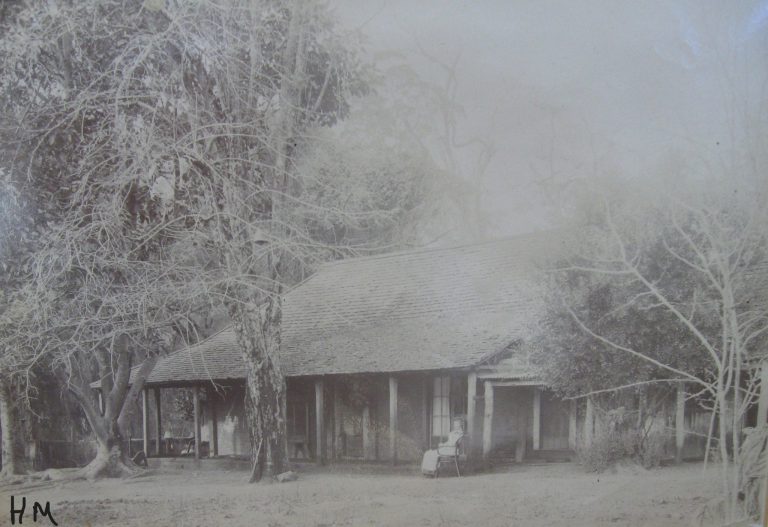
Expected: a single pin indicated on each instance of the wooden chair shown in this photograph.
(450, 451)
(140, 458)
(190, 448)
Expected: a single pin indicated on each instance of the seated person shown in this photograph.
(447, 448)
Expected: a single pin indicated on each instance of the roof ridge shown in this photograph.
(187, 347)
(426, 250)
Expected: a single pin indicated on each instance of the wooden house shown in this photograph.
(383, 353)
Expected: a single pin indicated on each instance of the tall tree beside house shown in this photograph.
(673, 288)
(9, 357)
(14, 228)
(164, 143)
(687, 246)
(17, 359)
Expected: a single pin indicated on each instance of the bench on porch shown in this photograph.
(184, 446)
(299, 444)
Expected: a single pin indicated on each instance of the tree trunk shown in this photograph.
(111, 458)
(11, 462)
(110, 461)
(135, 390)
(258, 334)
(725, 464)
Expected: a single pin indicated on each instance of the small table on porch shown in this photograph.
(299, 443)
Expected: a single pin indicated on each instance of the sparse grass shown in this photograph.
(551, 495)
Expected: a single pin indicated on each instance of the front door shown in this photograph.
(555, 419)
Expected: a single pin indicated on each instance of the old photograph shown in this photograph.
(384, 263)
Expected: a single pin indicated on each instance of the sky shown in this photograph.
(568, 89)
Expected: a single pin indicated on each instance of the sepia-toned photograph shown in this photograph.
(341, 263)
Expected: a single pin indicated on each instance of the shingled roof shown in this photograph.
(408, 311)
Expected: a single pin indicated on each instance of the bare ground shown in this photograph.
(551, 495)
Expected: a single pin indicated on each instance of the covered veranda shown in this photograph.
(403, 414)
(160, 441)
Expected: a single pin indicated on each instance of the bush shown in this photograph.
(608, 448)
(651, 451)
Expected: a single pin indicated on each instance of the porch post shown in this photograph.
(145, 421)
(589, 423)
(488, 420)
(536, 418)
(320, 421)
(196, 401)
(337, 447)
(393, 418)
(762, 403)
(367, 432)
(521, 424)
(427, 417)
(158, 422)
(214, 426)
(680, 423)
(572, 425)
(471, 410)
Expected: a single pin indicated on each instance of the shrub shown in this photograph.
(610, 447)
(651, 451)
(605, 450)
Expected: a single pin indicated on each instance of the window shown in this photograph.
(459, 397)
(297, 419)
(441, 408)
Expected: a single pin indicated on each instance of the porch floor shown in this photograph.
(241, 463)
(222, 463)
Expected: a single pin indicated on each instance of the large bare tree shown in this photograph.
(165, 144)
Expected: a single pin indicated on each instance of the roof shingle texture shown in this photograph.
(409, 311)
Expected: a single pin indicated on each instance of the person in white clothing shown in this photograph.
(447, 448)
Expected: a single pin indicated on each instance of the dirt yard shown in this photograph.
(549, 495)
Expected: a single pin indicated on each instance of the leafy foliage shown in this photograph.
(669, 285)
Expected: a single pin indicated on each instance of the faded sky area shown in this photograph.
(571, 89)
